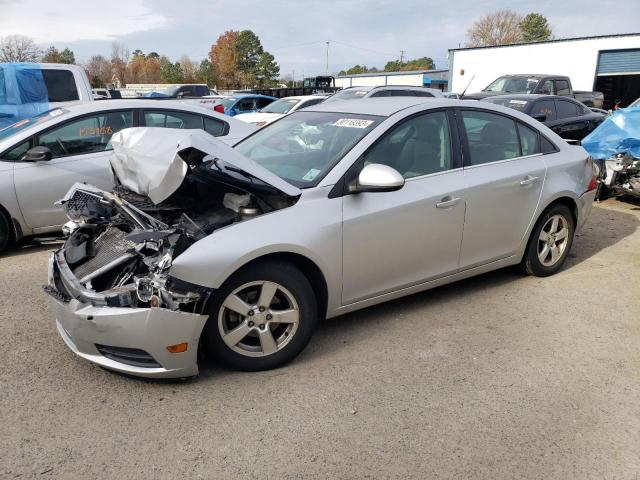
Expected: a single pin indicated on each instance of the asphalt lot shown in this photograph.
(501, 376)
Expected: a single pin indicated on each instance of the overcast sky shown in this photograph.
(360, 32)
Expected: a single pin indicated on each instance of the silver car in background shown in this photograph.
(238, 252)
(42, 157)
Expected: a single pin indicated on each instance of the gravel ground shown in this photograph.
(501, 376)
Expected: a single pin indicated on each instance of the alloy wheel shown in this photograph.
(258, 318)
(553, 240)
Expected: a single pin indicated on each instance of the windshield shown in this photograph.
(284, 105)
(514, 103)
(29, 122)
(303, 147)
(513, 85)
(348, 94)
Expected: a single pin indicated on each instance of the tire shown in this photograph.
(238, 309)
(5, 232)
(540, 259)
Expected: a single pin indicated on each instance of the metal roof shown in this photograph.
(572, 39)
(386, 106)
(390, 74)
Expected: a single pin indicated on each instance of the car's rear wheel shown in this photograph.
(5, 231)
(261, 318)
(550, 241)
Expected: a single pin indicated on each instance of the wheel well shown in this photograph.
(13, 233)
(309, 270)
(569, 203)
(566, 201)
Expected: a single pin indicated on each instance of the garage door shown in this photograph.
(614, 62)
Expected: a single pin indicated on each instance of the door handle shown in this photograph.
(528, 180)
(447, 202)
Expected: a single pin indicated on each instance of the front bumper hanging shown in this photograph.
(127, 340)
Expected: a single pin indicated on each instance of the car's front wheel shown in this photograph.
(5, 232)
(261, 318)
(550, 242)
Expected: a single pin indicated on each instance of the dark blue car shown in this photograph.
(243, 103)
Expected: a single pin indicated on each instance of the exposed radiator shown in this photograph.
(109, 246)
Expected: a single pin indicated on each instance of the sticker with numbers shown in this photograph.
(352, 123)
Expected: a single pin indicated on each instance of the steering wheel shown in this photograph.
(64, 149)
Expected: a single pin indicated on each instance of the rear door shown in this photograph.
(81, 150)
(571, 123)
(504, 172)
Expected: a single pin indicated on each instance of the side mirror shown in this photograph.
(541, 117)
(376, 177)
(37, 154)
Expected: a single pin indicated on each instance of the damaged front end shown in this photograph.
(115, 301)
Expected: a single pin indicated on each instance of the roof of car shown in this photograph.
(302, 97)
(526, 96)
(118, 104)
(533, 75)
(243, 95)
(387, 106)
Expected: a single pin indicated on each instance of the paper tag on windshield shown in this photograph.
(352, 123)
(518, 102)
(55, 113)
(311, 174)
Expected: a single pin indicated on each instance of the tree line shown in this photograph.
(498, 28)
(236, 60)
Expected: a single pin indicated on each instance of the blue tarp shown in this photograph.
(620, 133)
(23, 92)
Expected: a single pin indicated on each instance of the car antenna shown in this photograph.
(465, 88)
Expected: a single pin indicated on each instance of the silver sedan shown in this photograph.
(41, 157)
(238, 252)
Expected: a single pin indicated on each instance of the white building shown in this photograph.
(416, 78)
(609, 64)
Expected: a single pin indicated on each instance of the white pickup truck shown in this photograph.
(29, 89)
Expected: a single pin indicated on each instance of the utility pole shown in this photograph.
(326, 70)
(293, 78)
(402, 52)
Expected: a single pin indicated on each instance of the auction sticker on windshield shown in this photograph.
(311, 174)
(352, 123)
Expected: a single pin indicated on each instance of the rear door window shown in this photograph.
(529, 140)
(85, 135)
(566, 109)
(381, 93)
(61, 85)
(490, 137)
(172, 119)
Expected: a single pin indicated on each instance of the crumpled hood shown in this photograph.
(147, 160)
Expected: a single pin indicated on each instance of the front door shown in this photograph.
(81, 149)
(503, 177)
(397, 239)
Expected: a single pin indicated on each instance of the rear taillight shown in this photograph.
(593, 184)
(219, 108)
